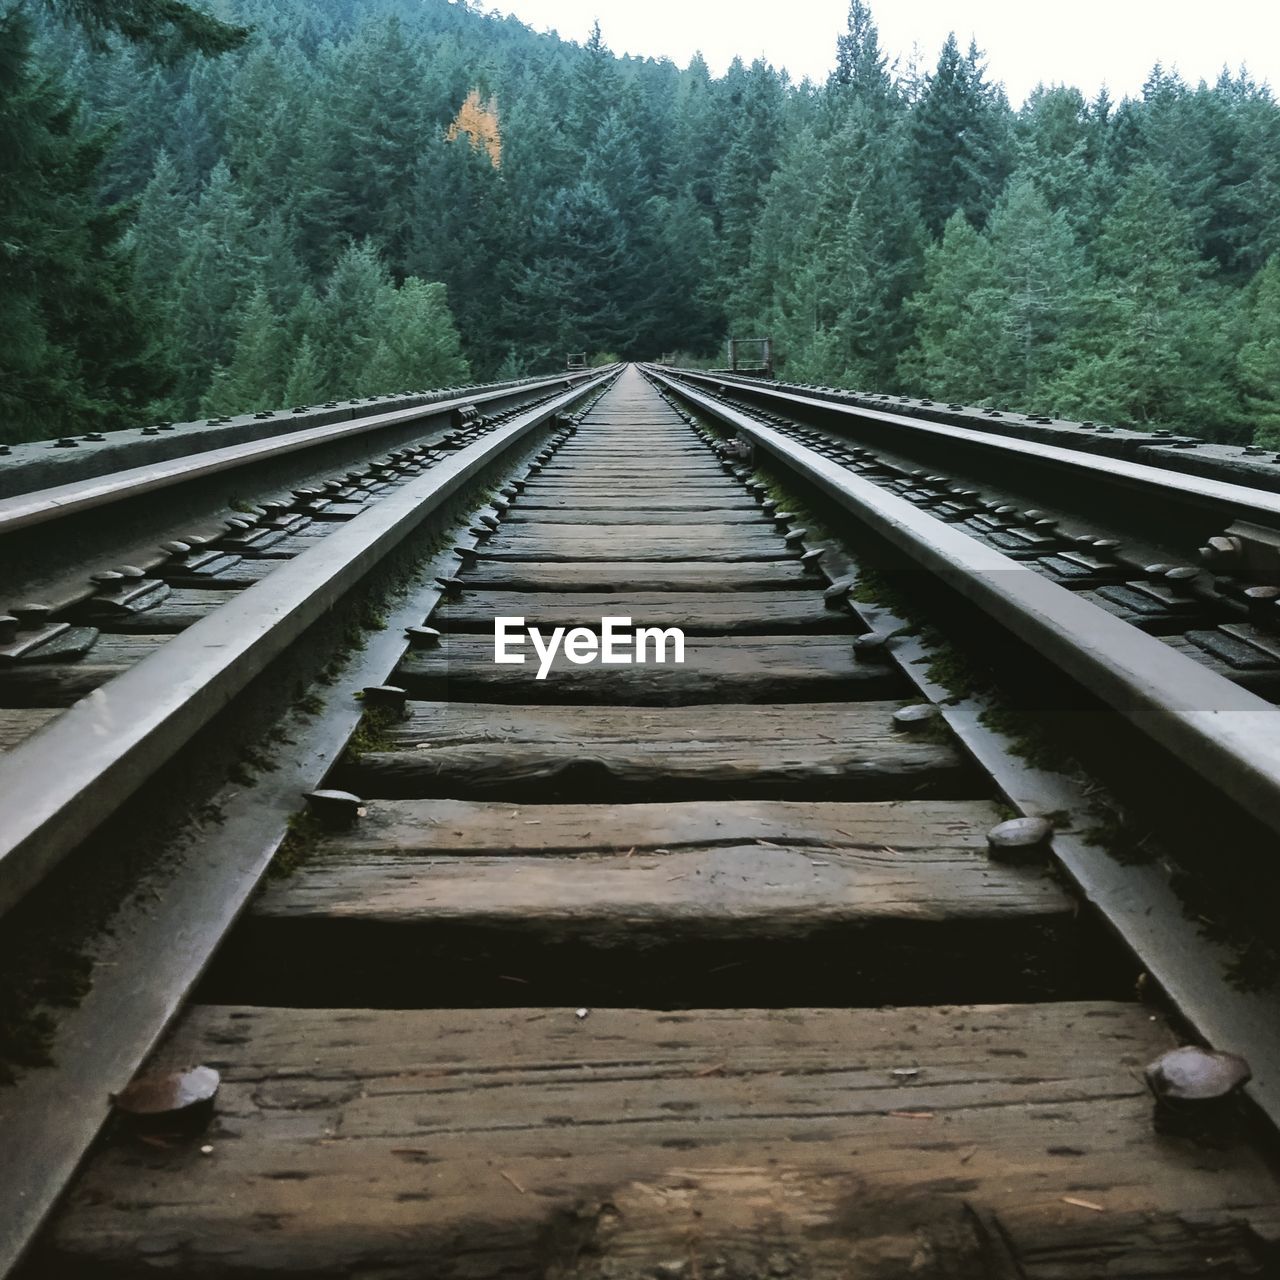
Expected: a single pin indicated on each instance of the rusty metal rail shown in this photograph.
(1167, 464)
(82, 766)
(1221, 732)
(26, 510)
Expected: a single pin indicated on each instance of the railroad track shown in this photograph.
(730, 966)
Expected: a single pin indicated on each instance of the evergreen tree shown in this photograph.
(418, 344)
(1259, 358)
(952, 336)
(860, 66)
(1034, 304)
(74, 353)
(255, 377)
(1153, 350)
(305, 384)
(347, 331)
(960, 132)
(213, 279)
(619, 204)
(169, 27)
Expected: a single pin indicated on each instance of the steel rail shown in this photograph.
(1220, 495)
(61, 783)
(23, 511)
(1227, 735)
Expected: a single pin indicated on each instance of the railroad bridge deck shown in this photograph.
(699, 968)
(601, 983)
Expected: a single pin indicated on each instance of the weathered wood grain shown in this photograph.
(732, 500)
(631, 543)
(59, 684)
(740, 613)
(602, 519)
(468, 828)
(179, 610)
(716, 669)
(622, 575)
(836, 750)
(946, 1143)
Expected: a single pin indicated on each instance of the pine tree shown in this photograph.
(1259, 358)
(1153, 351)
(1034, 305)
(74, 354)
(347, 331)
(861, 68)
(255, 377)
(168, 27)
(213, 280)
(952, 335)
(960, 132)
(418, 344)
(305, 384)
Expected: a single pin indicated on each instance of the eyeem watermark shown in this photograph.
(616, 644)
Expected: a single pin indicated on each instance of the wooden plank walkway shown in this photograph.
(590, 990)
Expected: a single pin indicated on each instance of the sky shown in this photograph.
(1086, 43)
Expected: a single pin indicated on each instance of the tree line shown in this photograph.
(281, 202)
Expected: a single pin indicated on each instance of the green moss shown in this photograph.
(1113, 831)
(371, 733)
(1025, 738)
(32, 984)
(298, 846)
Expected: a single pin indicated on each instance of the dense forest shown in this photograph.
(276, 202)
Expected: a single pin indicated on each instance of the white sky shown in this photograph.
(1082, 42)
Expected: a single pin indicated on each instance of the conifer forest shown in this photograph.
(218, 208)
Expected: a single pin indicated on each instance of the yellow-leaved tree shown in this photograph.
(479, 121)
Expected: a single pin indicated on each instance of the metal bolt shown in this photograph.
(66, 442)
(872, 647)
(108, 581)
(490, 523)
(838, 592)
(795, 536)
(1195, 1088)
(1019, 840)
(452, 587)
(423, 637)
(915, 719)
(386, 697)
(334, 810)
(8, 628)
(176, 550)
(31, 616)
